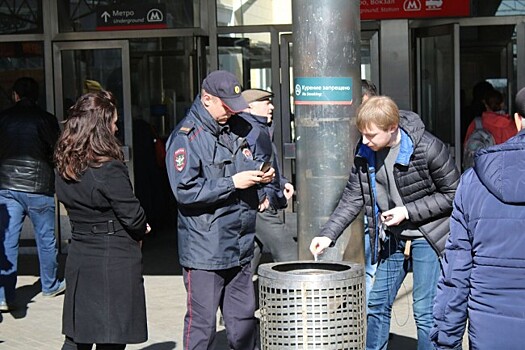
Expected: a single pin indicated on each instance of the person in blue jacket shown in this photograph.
(214, 178)
(405, 179)
(271, 235)
(484, 263)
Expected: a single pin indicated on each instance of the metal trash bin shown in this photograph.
(312, 305)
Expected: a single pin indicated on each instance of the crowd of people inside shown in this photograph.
(459, 234)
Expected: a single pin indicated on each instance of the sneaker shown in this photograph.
(61, 288)
(5, 307)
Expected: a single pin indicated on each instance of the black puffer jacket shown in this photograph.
(426, 178)
(27, 139)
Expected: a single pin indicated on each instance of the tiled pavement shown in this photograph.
(36, 323)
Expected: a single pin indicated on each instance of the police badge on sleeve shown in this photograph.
(180, 159)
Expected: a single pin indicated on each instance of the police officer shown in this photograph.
(213, 176)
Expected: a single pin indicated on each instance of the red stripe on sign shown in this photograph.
(347, 103)
(133, 27)
(390, 9)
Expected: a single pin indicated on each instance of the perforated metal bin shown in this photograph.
(312, 305)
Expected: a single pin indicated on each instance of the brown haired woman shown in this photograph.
(104, 302)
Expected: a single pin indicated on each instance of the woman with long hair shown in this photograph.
(104, 302)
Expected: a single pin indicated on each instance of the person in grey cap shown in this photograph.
(214, 178)
(271, 235)
(483, 266)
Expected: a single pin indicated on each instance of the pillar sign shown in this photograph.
(131, 17)
(323, 91)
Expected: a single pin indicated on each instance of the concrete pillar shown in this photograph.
(327, 92)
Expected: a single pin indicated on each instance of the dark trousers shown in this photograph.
(69, 344)
(231, 290)
(271, 236)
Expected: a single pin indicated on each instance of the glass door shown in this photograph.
(286, 135)
(438, 93)
(81, 67)
(489, 56)
(90, 66)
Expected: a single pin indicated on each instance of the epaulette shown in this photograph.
(186, 128)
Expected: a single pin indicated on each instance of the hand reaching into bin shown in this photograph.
(318, 245)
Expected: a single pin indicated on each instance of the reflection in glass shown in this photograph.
(487, 53)
(21, 17)
(89, 71)
(241, 13)
(19, 59)
(507, 7)
(162, 88)
(437, 72)
(89, 15)
(248, 56)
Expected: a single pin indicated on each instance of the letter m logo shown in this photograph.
(155, 15)
(412, 5)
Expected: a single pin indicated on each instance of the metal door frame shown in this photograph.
(123, 45)
(457, 23)
(453, 31)
(284, 106)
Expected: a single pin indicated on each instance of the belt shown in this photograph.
(107, 227)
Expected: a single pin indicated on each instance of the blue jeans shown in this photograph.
(14, 206)
(391, 271)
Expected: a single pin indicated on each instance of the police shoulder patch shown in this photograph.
(179, 158)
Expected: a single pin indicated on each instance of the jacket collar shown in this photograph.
(406, 149)
(204, 117)
(255, 118)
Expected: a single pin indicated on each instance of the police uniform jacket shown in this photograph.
(426, 178)
(216, 222)
(104, 300)
(260, 141)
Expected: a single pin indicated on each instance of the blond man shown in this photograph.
(405, 178)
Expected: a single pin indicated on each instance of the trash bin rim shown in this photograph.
(347, 270)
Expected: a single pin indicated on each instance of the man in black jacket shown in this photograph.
(27, 138)
(406, 180)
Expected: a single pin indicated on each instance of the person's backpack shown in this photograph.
(480, 138)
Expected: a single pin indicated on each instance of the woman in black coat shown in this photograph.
(104, 302)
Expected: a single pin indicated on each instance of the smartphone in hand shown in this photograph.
(265, 166)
